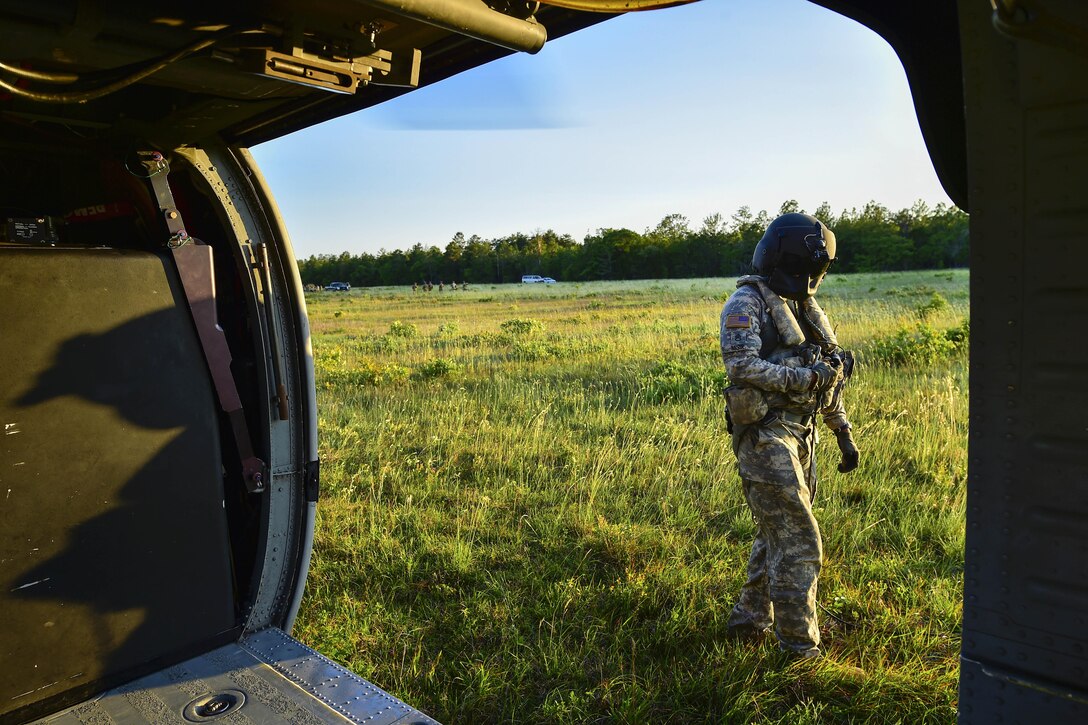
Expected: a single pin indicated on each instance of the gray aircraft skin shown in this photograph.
(159, 458)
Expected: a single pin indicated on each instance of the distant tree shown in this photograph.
(748, 227)
(612, 253)
(452, 266)
(478, 260)
(823, 213)
(393, 268)
(940, 238)
(509, 262)
(455, 248)
(790, 206)
(713, 225)
(670, 229)
(871, 239)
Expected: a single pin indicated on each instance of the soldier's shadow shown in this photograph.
(138, 570)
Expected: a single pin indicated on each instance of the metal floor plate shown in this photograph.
(267, 677)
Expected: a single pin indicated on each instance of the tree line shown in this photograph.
(871, 239)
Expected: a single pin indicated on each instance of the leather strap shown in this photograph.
(195, 265)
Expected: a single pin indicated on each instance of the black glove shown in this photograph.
(848, 449)
(826, 376)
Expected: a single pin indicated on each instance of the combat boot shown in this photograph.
(746, 632)
(802, 654)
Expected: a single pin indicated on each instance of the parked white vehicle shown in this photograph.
(536, 279)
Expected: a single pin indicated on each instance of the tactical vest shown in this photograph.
(790, 330)
(794, 339)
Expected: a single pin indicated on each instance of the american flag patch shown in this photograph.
(737, 321)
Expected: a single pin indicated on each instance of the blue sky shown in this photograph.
(692, 110)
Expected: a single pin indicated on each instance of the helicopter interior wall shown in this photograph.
(111, 554)
(92, 193)
(1025, 628)
(1011, 145)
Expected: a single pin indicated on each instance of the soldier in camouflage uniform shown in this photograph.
(785, 369)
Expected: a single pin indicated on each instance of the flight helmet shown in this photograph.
(794, 255)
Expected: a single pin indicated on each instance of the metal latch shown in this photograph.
(334, 72)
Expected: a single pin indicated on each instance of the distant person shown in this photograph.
(785, 369)
(415, 287)
(440, 286)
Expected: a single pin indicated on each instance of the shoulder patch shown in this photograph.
(733, 322)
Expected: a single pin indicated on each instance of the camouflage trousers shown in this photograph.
(776, 463)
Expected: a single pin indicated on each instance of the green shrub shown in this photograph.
(483, 339)
(366, 373)
(402, 329)
(529, 350)
(960, 336)
(920, 345)
(328, 358)
(374, 344)
(440, 367)
(935, 304)
(522, 326)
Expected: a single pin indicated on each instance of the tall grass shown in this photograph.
(531, 511)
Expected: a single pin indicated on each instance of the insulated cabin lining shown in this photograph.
(114, 548)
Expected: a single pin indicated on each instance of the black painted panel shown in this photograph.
(113, 541)
(992, 696)
(1025, 630)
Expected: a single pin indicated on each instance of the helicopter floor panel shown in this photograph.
(267, 677)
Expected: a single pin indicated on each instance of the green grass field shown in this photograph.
(530, 510)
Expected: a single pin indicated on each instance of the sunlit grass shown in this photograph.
(531, 513)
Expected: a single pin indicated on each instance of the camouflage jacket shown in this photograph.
(760, 354)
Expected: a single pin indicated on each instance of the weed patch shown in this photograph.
(522, 327)
(364, 374)
(920, 345)
(935, 304)
(436, 369)
(402, 329)
(671, 381)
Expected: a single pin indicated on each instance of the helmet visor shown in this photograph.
(799, 275)
(814, 264)
(805, 252)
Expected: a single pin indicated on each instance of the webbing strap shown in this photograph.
(196, 271)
